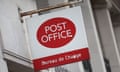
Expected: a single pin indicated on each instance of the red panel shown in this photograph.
(61, 59)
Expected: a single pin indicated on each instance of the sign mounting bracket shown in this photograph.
(22, 14)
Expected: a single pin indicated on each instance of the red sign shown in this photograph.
(60, 59)
(56, 32)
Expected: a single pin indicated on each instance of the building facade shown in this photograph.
(102, 25)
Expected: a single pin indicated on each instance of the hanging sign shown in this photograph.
(57, 38)
(56, 32)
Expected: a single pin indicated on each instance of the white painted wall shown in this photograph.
(55, 2)
(107, 38)
(10, 26)
(3, 64)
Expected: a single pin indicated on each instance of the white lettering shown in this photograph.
(56, 32)
(46, 29)
(53, 28)
(57, 35)
(49, 62)
(62, 34)
(68, 33)
(44, 38)
(75, 56)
